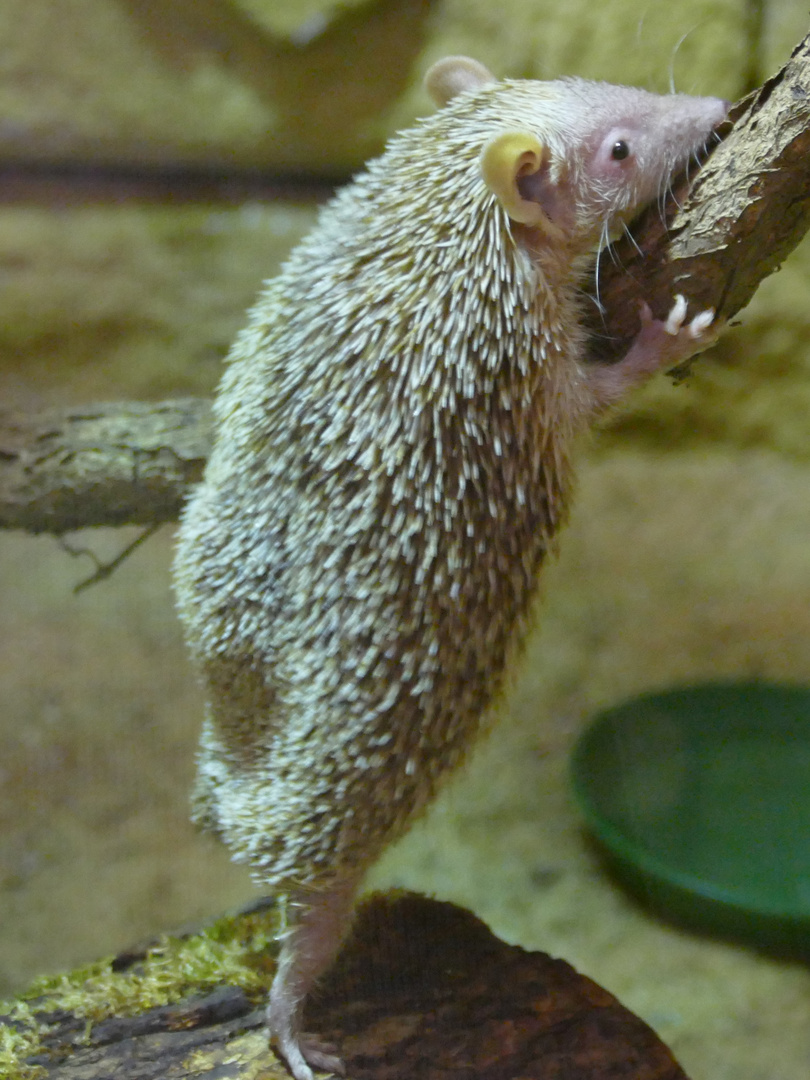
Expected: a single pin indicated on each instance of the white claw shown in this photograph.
(701, 323)
(677, 314)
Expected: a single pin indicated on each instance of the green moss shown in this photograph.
(18, 1043)
(234, 950)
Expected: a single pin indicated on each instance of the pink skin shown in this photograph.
(308, 948)
(660, 344)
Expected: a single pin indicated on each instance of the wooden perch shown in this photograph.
(423, 991)
(749, 207)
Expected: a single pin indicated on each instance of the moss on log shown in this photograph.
(423, 991)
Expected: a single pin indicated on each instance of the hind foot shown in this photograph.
(317, 922)
(304, 1052)
(301, 1051)
(321, 1055)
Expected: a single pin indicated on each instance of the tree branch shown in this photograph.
(749, 206)
(122, 463)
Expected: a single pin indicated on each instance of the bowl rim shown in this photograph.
(746, 898)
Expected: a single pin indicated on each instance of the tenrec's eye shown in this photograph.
(620, 150)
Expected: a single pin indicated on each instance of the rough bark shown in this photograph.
(122, 463)
(748, 208)
(423, 991)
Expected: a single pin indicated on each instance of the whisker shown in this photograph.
(672, 56)
(662, 202)
(629, 234)
(603, 245)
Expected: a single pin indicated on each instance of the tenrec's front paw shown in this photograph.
(685, 338)
(660, 344)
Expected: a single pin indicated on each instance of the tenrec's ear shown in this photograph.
(454, 74)
(505, 161)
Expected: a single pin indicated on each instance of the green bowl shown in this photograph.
(700, 799)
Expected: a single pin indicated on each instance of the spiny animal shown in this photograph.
(391, 463)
